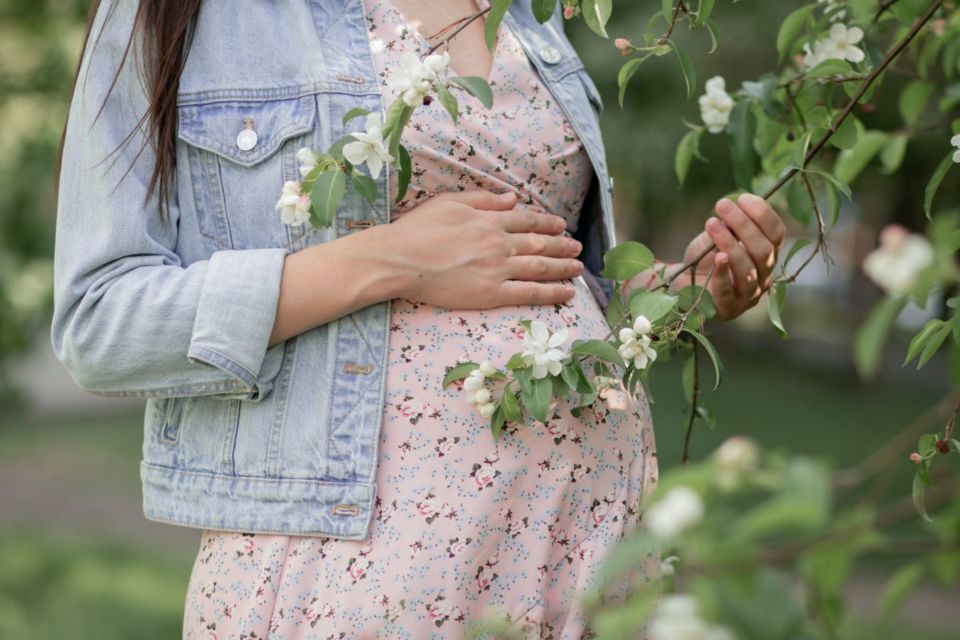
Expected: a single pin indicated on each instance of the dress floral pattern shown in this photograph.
(464, 527)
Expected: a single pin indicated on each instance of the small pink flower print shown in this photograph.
(429, 507)
(568, 318)
(516, 527)
(485, 577)
(409, 408)
(446, 445)
(483, 475)
(415, 548)
(248, 545)
(357, 567)
(597, 513)
(439, 609)
(327, 611)
(457, 546)
(366, 549)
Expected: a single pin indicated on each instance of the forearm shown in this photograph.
(331, 280)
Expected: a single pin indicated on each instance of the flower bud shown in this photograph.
(916, 458)
(487, 368)
(568, 12)
(486, 410)
(943, 447)
(482, 396)
(427, 100)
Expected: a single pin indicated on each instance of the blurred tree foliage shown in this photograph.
(39, 45)
(651, 206)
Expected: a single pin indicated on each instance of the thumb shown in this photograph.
(479, 199)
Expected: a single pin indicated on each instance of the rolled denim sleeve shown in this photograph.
(130, 318)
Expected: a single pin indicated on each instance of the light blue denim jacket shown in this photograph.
(238, 436)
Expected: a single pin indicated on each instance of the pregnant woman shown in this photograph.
(293, 375)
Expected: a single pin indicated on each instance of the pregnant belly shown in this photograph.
(437, 338)
(540, 489)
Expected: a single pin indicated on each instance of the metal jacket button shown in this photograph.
(550, 55)
(247, 138)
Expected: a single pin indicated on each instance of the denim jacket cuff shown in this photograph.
(235, 317)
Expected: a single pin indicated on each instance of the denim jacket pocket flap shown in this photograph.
(246, 131)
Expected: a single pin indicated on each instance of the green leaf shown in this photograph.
(792, 27)
(797, 246)
(596, 13)
(449, 102)
(599, 348)
(899, 587)
(615, 309)
(871, 337)
(913, 100)
(543, 9)
(919, 494)
(356, 112)
(498, 9)
(798, 202)
(850, 162)
(404, 172)
(626, 260)
(892, 155)
(776, 298)
(920, 340)
(688, 70)
(477, 87)
(931, 190)
(511, 406)
(709, 418)
(741, 130)
(688, 148)
(496, 422)
(626, 72)
(712, 352)
(652, 304)
(847, 134)
(537, 397)
(830, 67)
(704, 10)
(364, 185)
(458, 372)
(326, 195)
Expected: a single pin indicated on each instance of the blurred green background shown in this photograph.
(77, 559)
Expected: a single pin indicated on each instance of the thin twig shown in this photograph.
(821, 246)
(883, 458)
(467, 21)
(677, 7)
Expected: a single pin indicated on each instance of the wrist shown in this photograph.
(381, 271)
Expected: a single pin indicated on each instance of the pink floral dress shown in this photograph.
(464, 526)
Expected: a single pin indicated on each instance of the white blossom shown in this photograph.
(369, 147)
(955, 141)
(668, 566)
(680, 509)
(487, 368)
(417, 76)
(542, 350)
(307, 159)
(294, 205)
(839, 45)
(677, 617)
(487, 409)
(474, 384)
(900, 259)
(734, 459)
(635, 343)
(833, 9)
(715, 105)
(842, 40)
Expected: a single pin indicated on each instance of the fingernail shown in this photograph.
(714, 225)
(575, 246)
(724, 206)
(748, 199)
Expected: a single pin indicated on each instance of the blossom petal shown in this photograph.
(356, 153)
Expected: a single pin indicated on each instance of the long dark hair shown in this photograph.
(164, 29)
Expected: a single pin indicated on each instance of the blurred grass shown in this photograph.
(76, 588)
(92, 582)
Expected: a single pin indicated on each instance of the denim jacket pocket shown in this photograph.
(238, 154)
(170, 414)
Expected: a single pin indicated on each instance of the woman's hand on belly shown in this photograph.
(473, 250)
